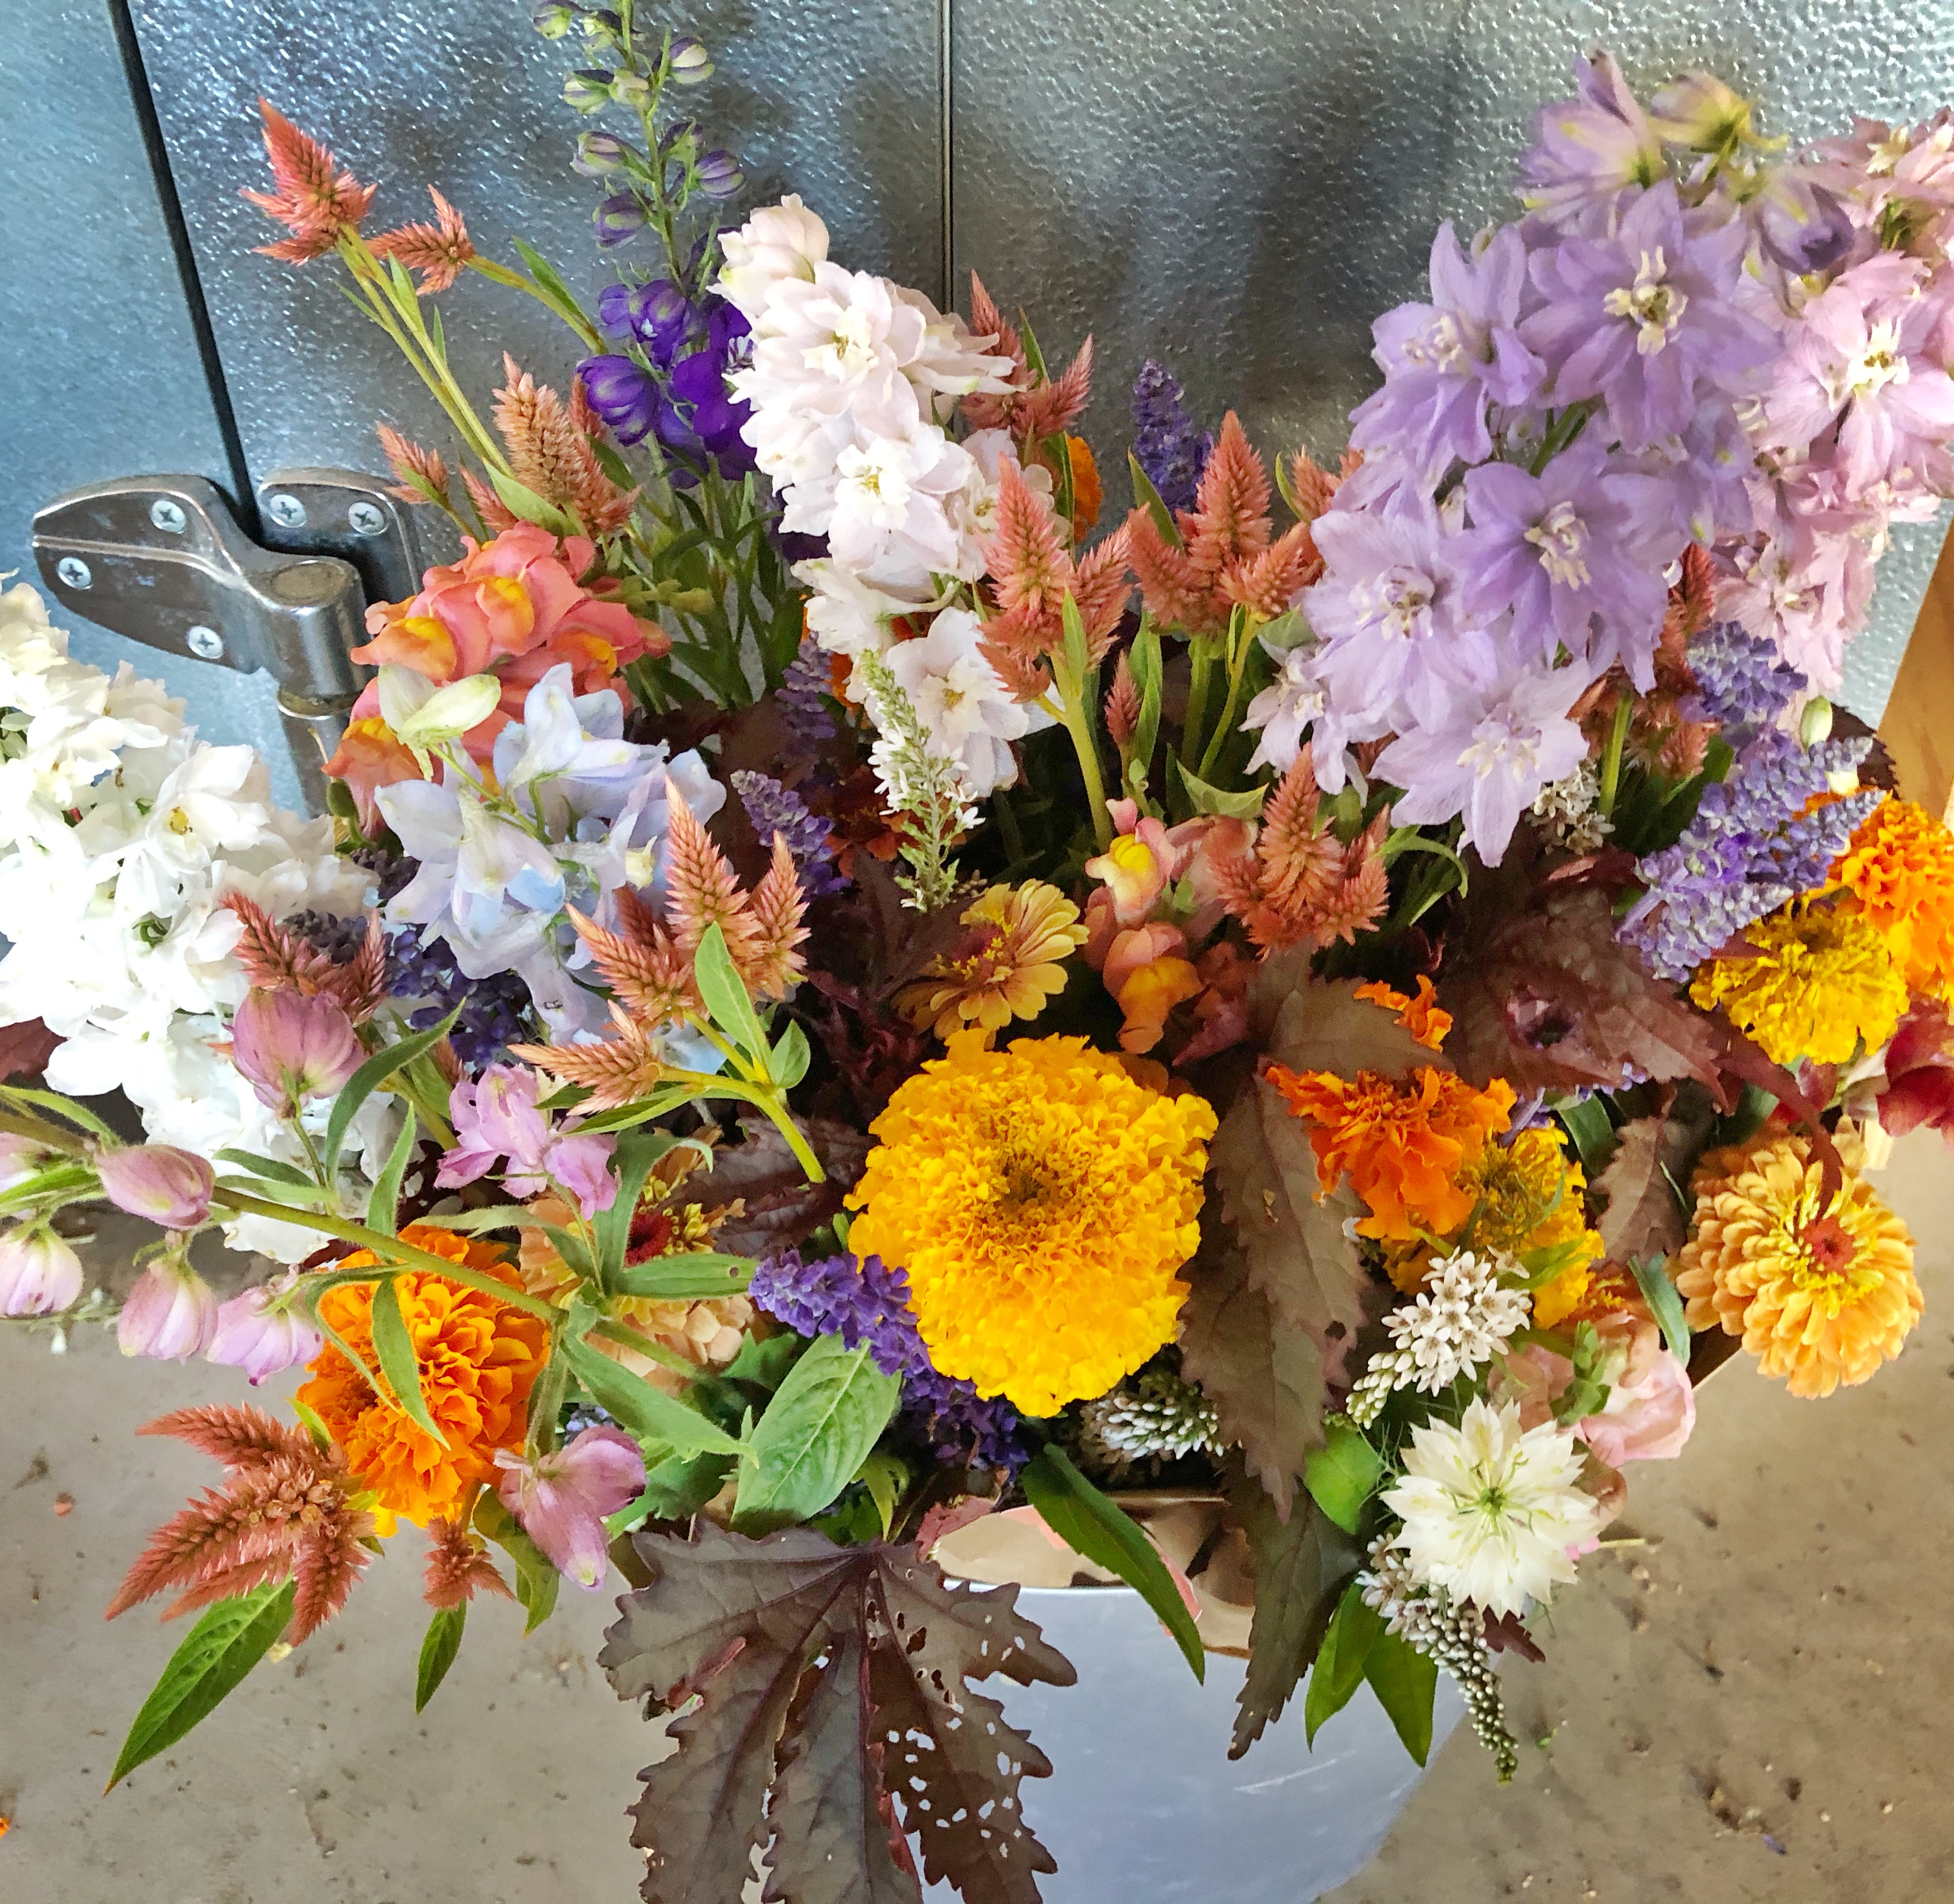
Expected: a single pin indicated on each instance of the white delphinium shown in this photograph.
(778, 242)
(1569, 811)
(1490, 1509)
(970, 716)
(884, 505)
(1457, 1323)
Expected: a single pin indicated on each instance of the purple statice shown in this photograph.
(496, 1012)
(1741, 684)
(802, 698)
(1590, 148)
(775, 808)
(670, 380)
(862, 1300)
(1168, 444)
(1576, 547)
(1646, 319)
(1750, 847)
(1446, 362)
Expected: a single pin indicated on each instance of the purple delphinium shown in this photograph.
(802, 698)
(496, 1013)
(1644, 319)
(1168, 444)
(1749, 848)
(1741, 683)
(1590, 148)
(862, 1300)
(1561, 548)
(676, 389)
(1445, 362)
(774, 809)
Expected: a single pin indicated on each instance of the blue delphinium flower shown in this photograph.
(674, 385)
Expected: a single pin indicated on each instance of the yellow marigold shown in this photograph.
(1900, 868)
(1823, 981)
(478, 1358)
(1818, 1298)
(1041, 1199)
(1010, 965)
(1404, 1149)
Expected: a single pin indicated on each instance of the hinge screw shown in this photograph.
(168, 516)
(367, 518)
(206, 642)
(75, 572)
(287, 511)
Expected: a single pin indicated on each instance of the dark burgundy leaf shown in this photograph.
(26, 1048)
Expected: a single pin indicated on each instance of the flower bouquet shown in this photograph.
(835, 1004)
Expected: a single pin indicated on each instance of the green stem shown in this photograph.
(1238, 668)
(587, 333)
(629, 1338)
(392, 1249)
(1077, 719)
(1611, 760)
(1200, 662)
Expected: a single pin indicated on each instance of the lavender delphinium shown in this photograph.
(1168, 444)
(863, 1300)
(1741, 683)
(775, 808)
(1750, 847)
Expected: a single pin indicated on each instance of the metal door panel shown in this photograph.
(1238, 188)
(104, 377)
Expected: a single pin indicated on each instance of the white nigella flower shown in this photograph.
(1458, 1322)
(968, 713)
(1490, 1510)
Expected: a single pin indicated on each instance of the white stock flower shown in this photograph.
(883, 509)
(967, 713)
(781, 241)
(1490, 1511)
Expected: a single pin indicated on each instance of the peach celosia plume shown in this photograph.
(313, 199)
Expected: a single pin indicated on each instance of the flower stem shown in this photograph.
(1238, 641)
(1200, 662)
(1078, 724)
(1611, 760)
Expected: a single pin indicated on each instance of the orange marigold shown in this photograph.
(1820, 1297)
(1423, 1017)
(478, 1358)
(1405, 1149)
(1900, 868)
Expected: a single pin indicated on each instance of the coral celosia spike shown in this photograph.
(360, 984)
(1265, 584)
(1019, 669)
(228, 1582)
(439, 252)
(1101, 589)
(983, 411)
(1025, 555)
(1299, 858)
(1055, 406)
(651, 975)
(1358, 900)
(550, 451)
(423, 474)
(221, 1528)
(774, 965)
(1175, 593)
(273, 959)
(620, 1069)
(458, 1567)
(1314, 488)
(239, 1437)
(496, 515)
(701, 889)
(327, 1567)
(1230, 516)
(314, 200)
(1122, 704)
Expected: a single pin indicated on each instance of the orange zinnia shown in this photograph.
(477, 1359)
(1403, 1149)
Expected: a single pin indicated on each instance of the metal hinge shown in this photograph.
(161, 561)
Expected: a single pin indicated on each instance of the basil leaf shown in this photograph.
(1340, 1474)
(438, 1652)
(1099, 1528)
(824, 1418)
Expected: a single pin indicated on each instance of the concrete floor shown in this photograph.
(1753, 1705)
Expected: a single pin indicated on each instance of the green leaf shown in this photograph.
(370, 1077)
(676, 1488)
(647, 1412)
(641, 1111)
(495, 1216)
(638, 1150)
(312, 1422)
(269, 1168)
(1146, 496)
(1340, 1474)
(546, 279)
(790, 1058)
(393, 1348)
(1665, 1301)
(230, 1638)
(1099, 1528)
(1405, 1682)
(1144, 659)
(885, 1477)
(1204, 799)
(1076, 655)
(1587, 1123)
(62, 1107)
(536, 1579)
(438, 1651)
(724, 993)
(764, 1362)
(817, 1431)
(572, 1248)
(521, 501)
(383, 1206)
(675, 1278)
(1339, 1670)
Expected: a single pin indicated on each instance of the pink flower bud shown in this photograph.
(561, 1499)
(261, 1333)
(293, 1048)
(169, 1186)
(38, 1273)
(170, 1314)
(21, 1158)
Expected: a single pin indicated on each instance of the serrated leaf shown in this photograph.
(439, 1650)
(1644, 1215)
(394, 1350)
(1406, 1683)
(822, 1751)
(369, 1078)
(537, 1580)
(1101, 1529)
(689, 1278)
(522, 501)
(764, 1361)
(383, 1204)
(724, 992)
(825, 1417)
(647, 1412)
(1339, 1670)
(1301, 1565)
(224, 1645)
(1340, 1474)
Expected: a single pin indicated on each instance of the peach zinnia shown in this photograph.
(477, 1358)
(1820, 1297)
